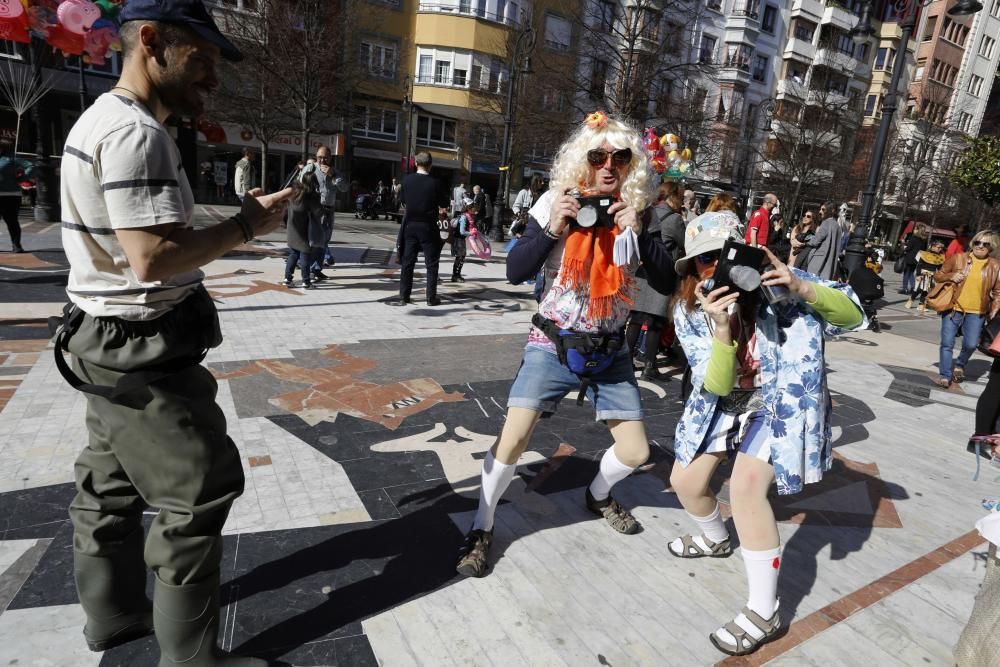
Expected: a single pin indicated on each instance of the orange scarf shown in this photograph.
(589, 258)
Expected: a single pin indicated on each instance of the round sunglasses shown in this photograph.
(982, 244)
(619, 158)
(708, 257)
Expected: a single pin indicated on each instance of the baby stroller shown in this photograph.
(869, 287)
(364, 207)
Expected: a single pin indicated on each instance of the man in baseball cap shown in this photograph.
(189, 13)
(138, 327)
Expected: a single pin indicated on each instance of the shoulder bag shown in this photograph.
(941, 298)
(899, 265)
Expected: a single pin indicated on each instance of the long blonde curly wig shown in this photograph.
(571, 168)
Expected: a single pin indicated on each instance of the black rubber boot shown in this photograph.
(112, 592)
(187, 626)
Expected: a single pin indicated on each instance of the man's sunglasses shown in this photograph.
(619, 158)
(981, 244)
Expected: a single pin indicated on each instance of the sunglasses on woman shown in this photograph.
(808, 215)
(707, 257)
(982, 244)
(619, 158)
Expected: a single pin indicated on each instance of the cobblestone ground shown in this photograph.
(362, 427)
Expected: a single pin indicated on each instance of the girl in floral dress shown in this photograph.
(760, 397)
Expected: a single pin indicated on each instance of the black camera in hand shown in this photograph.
(739, 269)
(594, 211)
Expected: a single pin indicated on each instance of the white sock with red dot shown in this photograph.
(762, 581)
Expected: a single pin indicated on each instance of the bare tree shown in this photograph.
(307, 48)
(806, 154)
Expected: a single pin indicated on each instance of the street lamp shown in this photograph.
(522, 47)
(766, 110)
(906, 11)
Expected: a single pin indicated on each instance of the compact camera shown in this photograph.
(739, 268)
(594, 212)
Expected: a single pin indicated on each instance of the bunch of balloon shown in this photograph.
(665, 152)
(77, 27)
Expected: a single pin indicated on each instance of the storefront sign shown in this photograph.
(375, 154)
(229, 134)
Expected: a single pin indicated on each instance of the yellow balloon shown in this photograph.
(686, 154)
(673, 155)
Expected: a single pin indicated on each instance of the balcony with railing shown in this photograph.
(834, 58)
(811, 9)
(803, 49)
(485, 84)
(790, 88)
(836, 14)
(745, 15)
(735, 65)
(471, 10)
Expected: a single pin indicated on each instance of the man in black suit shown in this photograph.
(425, 200)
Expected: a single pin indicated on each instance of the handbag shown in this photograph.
(978, 645)
(941, 298)
(899, 264)
(989, 338)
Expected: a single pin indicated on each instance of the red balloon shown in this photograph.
(68, 42)
(15, 29)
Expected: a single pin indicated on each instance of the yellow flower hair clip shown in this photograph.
(596, 120)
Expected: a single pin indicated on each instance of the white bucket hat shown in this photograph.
(707, 233)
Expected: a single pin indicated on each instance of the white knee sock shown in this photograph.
(612, 471)
(496, 478)
(762, 581)
(711, 526)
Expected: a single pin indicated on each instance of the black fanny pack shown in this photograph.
(193, 327)
(585, 354)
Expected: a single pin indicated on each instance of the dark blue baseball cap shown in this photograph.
(190, 13)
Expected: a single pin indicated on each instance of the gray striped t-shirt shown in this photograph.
(120, 170)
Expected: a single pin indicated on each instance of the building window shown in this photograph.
(606, 14)
(379, 58)
(918, 74)
(845, 44)
(975, 85)
(931, 27)
(673, 38)
(557, 32)
(995, 9)
(964, 121)
(956, 33)
(598, 79)
(883, 59)
(707, 51)
(870, 105)
(714, 5)
(477, 77)
(424, 71)
(804, 30)
(460, 78)
(863, 52)
(738, 56)
(442, 72)
(745, 8)
(769, 19)
(541, 151)
(760, 68)
(795, 71)
(436, 132)
(376, 123)
(986, 46)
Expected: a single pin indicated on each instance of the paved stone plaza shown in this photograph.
(362, 427)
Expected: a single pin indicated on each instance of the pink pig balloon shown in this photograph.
(11, 9)
(78, 15)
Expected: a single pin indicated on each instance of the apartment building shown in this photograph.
(742, 39)
(946, 99)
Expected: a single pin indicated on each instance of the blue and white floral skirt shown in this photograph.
(732, 432)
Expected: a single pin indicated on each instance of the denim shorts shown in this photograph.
(542, 382)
